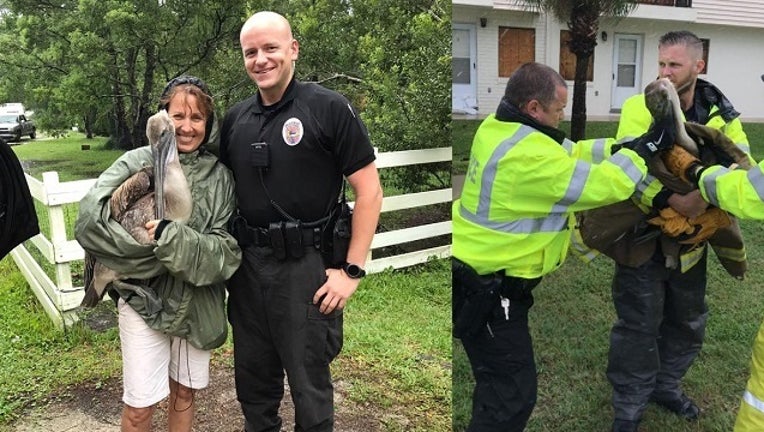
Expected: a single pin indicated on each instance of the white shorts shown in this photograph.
(150, 358)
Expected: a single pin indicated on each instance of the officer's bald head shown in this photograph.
(270, 21)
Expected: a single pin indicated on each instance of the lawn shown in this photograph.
(397, 352)
(570, 324)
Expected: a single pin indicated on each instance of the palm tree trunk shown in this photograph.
(578, 115)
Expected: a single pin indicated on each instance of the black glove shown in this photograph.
(694, 171)
(659, 137)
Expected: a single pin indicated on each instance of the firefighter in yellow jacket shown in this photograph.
(660, 301)
(742, 194)
(512, 226)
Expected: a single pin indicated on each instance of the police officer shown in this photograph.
(512, 225)
(660, 302)
(289, 147)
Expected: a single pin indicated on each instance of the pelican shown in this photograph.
(662, 100)
(160, 191)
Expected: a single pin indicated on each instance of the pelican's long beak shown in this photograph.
(165, 151)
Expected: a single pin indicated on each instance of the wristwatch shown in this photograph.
(353, 271)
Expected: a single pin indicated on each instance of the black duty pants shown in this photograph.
(277, 329)
(660, 328)
(502, 364)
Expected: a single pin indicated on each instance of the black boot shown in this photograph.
(625, 425)
(682, 406)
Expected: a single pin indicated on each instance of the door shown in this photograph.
(464, 69)
(627, 61)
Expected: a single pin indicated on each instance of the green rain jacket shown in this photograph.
(177, 285)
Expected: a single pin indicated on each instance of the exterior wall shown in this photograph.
(743, 13)
(490, 86)
(735, 64)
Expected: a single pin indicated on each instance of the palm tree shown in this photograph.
(582, 17)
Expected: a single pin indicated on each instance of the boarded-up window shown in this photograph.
(516, 46)
(568, 59)
(706, 46)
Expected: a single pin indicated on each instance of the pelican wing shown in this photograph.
(130, 192)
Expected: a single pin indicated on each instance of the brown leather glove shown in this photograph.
(705, 225)
(678, 160)
(672, 223)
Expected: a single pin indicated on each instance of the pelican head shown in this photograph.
(160, 131)
(661, 98)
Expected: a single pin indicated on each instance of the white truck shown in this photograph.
(14, 122)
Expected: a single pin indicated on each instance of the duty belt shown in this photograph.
(286, 238)
(265, 237)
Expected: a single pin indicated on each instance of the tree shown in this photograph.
(582, 18)
(103, 63)
(99, 60)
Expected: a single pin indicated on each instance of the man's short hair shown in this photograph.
(533, 81)
(683, 37)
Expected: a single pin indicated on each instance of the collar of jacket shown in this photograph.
(711, 95)
(508, 112)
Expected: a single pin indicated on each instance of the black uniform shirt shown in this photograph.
(314, 138)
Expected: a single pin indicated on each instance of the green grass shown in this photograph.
(570, 324)
(35, 357)
(396, 357)
(65, 155)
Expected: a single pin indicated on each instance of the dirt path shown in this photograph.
(90, 409)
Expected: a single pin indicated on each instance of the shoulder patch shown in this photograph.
(292, 131)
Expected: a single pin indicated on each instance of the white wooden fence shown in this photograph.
(61, 298)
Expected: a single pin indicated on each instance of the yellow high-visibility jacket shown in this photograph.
(520, 192)
(736, 191)
(741, 193)
(750, 417)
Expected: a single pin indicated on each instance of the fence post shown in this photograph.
(58, 238)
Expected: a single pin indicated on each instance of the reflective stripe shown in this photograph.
(756, 177)
(732, 254)
(551, 223)
(628, 166)
(691, 258)
(598, 150)
(568, 145)
(575, 187)
(753, 401)
(745, 147)
(644, 184)
(578, 246)
(709, 185)
(491, 168)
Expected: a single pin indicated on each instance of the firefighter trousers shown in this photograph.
(658, 334)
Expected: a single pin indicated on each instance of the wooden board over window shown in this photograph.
(568, 59)
(516, 46)
(706, 47)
